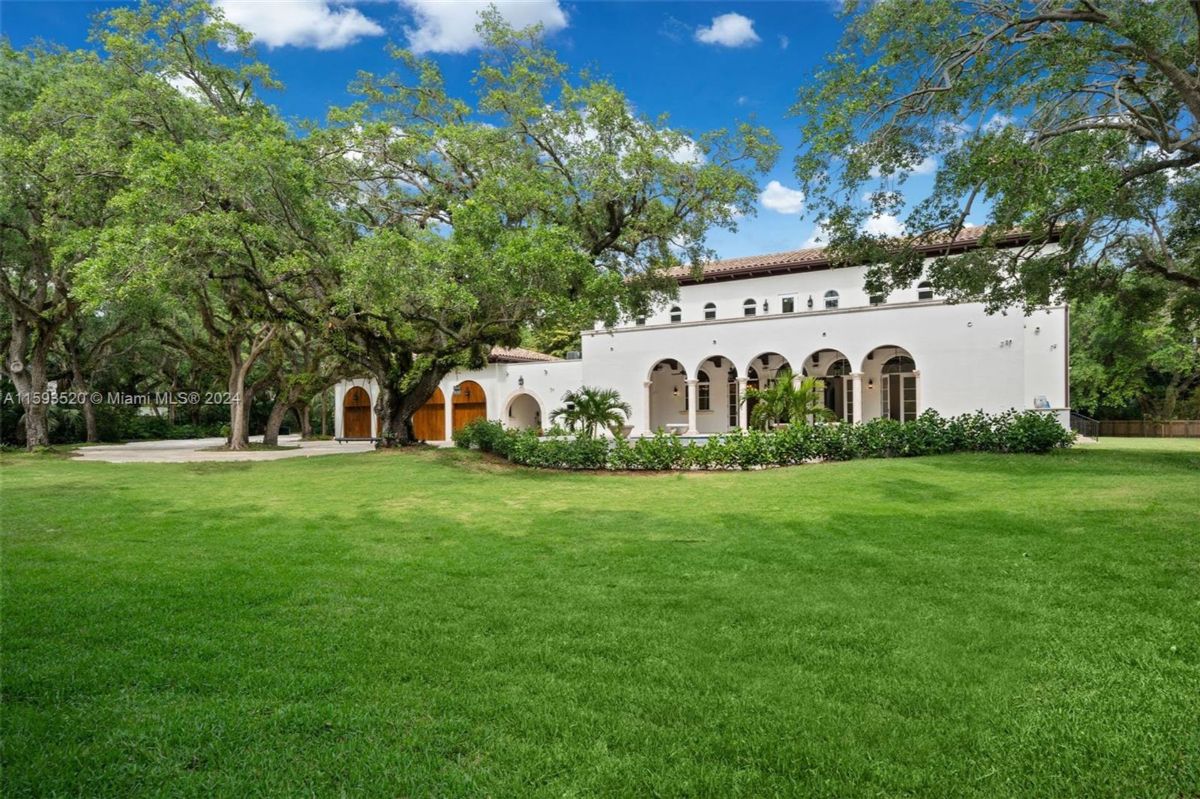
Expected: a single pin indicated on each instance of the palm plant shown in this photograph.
(589, 410)
(789, 400)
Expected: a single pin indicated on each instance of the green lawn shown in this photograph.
(435, 624)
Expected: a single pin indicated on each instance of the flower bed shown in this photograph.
(929, 434)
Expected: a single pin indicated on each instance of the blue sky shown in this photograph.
(708, 65)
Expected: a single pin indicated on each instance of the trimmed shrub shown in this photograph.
(929, 434)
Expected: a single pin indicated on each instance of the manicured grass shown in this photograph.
(434, 624)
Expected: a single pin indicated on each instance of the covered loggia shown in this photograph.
(893, 384)
(717, 395)
(834, 370)
(524, 412)
(666, 395)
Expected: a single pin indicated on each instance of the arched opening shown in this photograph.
(468, 403)
(710, 310)
(891, 378)
(924, 290)
(356, 413)
(524, 413)
(833, 368)
(676, 314)
(749, 308)
(762, 372)
(429, 422)
(717, 395)
(668, 395)
(831, 300)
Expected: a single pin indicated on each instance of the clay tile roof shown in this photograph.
(811, 258)
(518, 355)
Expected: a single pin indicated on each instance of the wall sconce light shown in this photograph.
(675, 391)
(521, 381)
(870, 382)
(764, 306)
(810, 302)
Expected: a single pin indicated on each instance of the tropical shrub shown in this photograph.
(929, 434)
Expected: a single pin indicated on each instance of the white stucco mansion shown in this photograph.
(684, 367)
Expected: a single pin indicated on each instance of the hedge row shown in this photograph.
(929, 434)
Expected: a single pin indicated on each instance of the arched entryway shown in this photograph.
(356, 413)
(469, 403)
(717, 395)
(429, 422)
(893, 384)
(762, 372)
(834, 370)
(524, 413)
(667, 395)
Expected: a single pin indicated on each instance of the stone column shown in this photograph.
(743, 408)
(693, 396)
(856, 390)
(647, 428)
(917, 385)
(448, 412)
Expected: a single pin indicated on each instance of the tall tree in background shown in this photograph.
(222, 221)
(1075, 118)
(61, 144)
(545, 200)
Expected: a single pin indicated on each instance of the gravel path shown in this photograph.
(195, 450)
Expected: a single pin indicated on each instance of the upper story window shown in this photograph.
(749, 308)
(924, 290)
(787, 303)
(640, 321)
(878, 299)
(831, 299)
(710, 310)
(676, 314)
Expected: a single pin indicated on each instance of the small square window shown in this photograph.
(787, 305)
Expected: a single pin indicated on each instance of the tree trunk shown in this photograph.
(304, 412)
(29, 377)
(396, 407)
(324, 413)
(275, 419)
(239, 409)
(81, 387)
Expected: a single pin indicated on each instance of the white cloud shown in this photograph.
(784, 42)
(779, 197)
(301, 23)
(819, 236)
(884, 225)
(689, 153)
(448, 26)
(729, 30)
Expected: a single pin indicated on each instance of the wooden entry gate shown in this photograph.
(356, 414)
(429, 422)
(469, 403)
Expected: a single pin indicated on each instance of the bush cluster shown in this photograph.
(929, 434)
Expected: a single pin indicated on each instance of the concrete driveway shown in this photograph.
(195, 450)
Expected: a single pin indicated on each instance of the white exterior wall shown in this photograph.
(965, 359)
(544, 382)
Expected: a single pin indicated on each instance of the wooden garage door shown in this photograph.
(429, 422)
(470, 403)
(356, 414)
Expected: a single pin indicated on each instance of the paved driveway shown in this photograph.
(192, 450)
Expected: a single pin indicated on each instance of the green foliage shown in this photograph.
(788, 401)
(929, 434)
(1076, 119)
(589, 410)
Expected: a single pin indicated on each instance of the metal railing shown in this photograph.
(1085, 425)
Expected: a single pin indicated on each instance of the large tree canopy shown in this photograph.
(546, 199)
(1072, 119)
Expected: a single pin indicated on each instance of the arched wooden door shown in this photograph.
(429, 422)
(469, 402)
(356, 414)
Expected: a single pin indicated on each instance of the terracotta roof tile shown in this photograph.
(811, 258)
(518, 355)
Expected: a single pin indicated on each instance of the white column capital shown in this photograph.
(693, 381)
